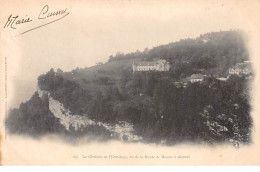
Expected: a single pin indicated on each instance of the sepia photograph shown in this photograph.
(129, 82)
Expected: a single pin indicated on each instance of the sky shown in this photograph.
(95, 30)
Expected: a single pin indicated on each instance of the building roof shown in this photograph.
(149, 63)
(242, 66)
(196, 76)
(145, 63)
(222, 79)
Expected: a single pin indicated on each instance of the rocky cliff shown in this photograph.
(122, 130)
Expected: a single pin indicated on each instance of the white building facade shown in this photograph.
(159, 65)
(241, 69)
(196, 78)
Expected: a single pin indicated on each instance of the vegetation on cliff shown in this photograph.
(212, 111)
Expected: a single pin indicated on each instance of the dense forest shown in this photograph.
(209, 112)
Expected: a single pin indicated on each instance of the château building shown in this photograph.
(156, 65)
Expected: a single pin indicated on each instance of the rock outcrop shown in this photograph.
(122, 130)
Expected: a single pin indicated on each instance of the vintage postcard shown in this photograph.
(129, 82)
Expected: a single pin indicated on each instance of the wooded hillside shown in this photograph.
(212, 111)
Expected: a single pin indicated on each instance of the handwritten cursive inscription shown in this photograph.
(14, 20)
(45, 13)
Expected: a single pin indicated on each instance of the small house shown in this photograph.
(196, 78)
(241, 69)
(222, 79)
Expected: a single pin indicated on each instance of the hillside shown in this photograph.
(147, 104)
(218, 50)
(210, 54)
